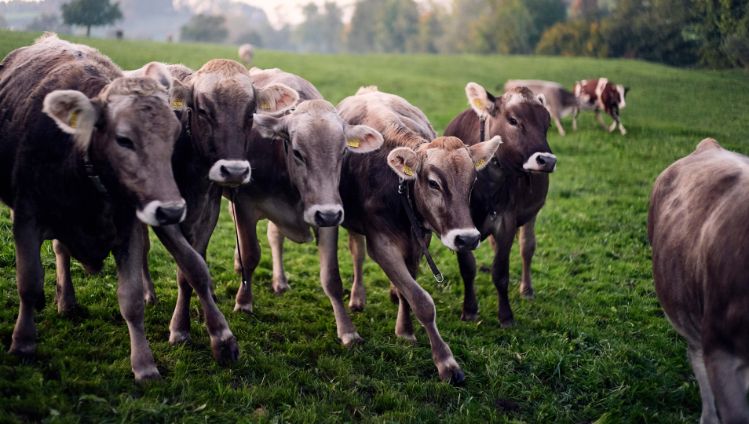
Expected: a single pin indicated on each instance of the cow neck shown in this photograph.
(417, 228)
(499, 177)
(93, 176)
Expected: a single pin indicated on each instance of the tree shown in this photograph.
(48, 22)
(206, 28)
(723, 32)
(544, 14)
(90, 13)
(361, 34)
(506, 29)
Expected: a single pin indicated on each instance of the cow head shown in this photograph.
(521, 119)
(129, 127)
(621, 93)
(315, 139)
(222, 102)
(443, 172)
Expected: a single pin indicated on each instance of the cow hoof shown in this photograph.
(469, 316)
(527, 294)
(507, 323)
(450, 372)
(356, 306)
(246, 308)
(351, 339)
(22, 350)
(147, 374)
(150, 299)
(280, 288)
(178, 337)
(410, 338)
(225, 351)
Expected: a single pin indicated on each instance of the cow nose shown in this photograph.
(171, 214)
(328, 218)
(466, 241)
(234, 172)
(230, 172)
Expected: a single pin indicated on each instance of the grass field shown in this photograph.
(593, 346)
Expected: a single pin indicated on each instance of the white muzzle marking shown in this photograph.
(329, 208)
(148, 214)
(230, 172)
(448, 239)
(532, 163)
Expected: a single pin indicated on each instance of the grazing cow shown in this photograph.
(559, 101)
(601, 94)
(434, 179)
(698, 226)
(511, 191)
(84, 176)
(296, 161)
(246, 52)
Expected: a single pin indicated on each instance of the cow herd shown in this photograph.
(91, 154)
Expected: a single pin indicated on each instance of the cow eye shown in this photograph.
(434, 185)
(125, 142)
(512, 121)
(298, 156)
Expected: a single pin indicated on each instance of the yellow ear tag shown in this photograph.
(407, 170)
(177, 104)
(73, 119)
(265, 106)
(480, 163)
(353, 143)
(478, 103)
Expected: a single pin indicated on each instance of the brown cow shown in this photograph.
(559, 101)
(601, 94)
(510, 193)
(435, 177)
(698, 226)
(297, 160)
(83, 176)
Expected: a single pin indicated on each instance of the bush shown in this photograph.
(573, 38)
(206, 28)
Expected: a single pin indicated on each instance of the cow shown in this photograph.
(246, 52)
(601, 95)
(698, 226)
(511, 191)
(413, 173)
(560, 102)
(297, 159)
(90, 177)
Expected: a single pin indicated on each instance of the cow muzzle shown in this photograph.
(230, 173)
(541, 162)
(324, 215)
(462, 239)
(157, 213)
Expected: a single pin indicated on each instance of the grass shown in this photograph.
(592, 347)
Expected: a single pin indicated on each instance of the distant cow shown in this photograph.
(698, 225)
(559, 101)
(601, 94)
(297, 159)
(510, 192)
(246, 53)
(83, 176)
(434, 177)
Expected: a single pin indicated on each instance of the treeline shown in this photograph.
(712, 33)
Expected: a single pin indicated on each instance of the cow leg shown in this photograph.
(726, 374)
(64, 292)
(357, 246)
(467, 266)
(404, 327)
(599, 119)
(246, 227)
(560, 128)
(30, 282)
(327, 246)
(223, 342)
(179, 326)
(527, 249)
(575, 112)
(390, 258)
(149, 292)
(275, 239)
(130, 297)
(501, 272)
(709, 413)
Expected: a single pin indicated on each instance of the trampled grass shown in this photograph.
(592, 346)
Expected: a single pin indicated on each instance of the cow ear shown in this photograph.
(276, 98)
(180, 96)
(362, 139)
(160, 73)
(480, 100)
(482, 153)
(404, 162)
(74, 113)
(542, 99)
(270, 126)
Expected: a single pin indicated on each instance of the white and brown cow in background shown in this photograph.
(560, 101)
(601, 95)
(246, 53)
(698, 225)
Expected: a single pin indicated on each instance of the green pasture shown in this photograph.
(593, 346)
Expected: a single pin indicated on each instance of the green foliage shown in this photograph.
(385, 26)
(593, 345)
(90, 13)
(321, 32)
(205, 28)
(48, 22)
(573, 38)
(507, 29)
(544, 14)
(724, 30)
